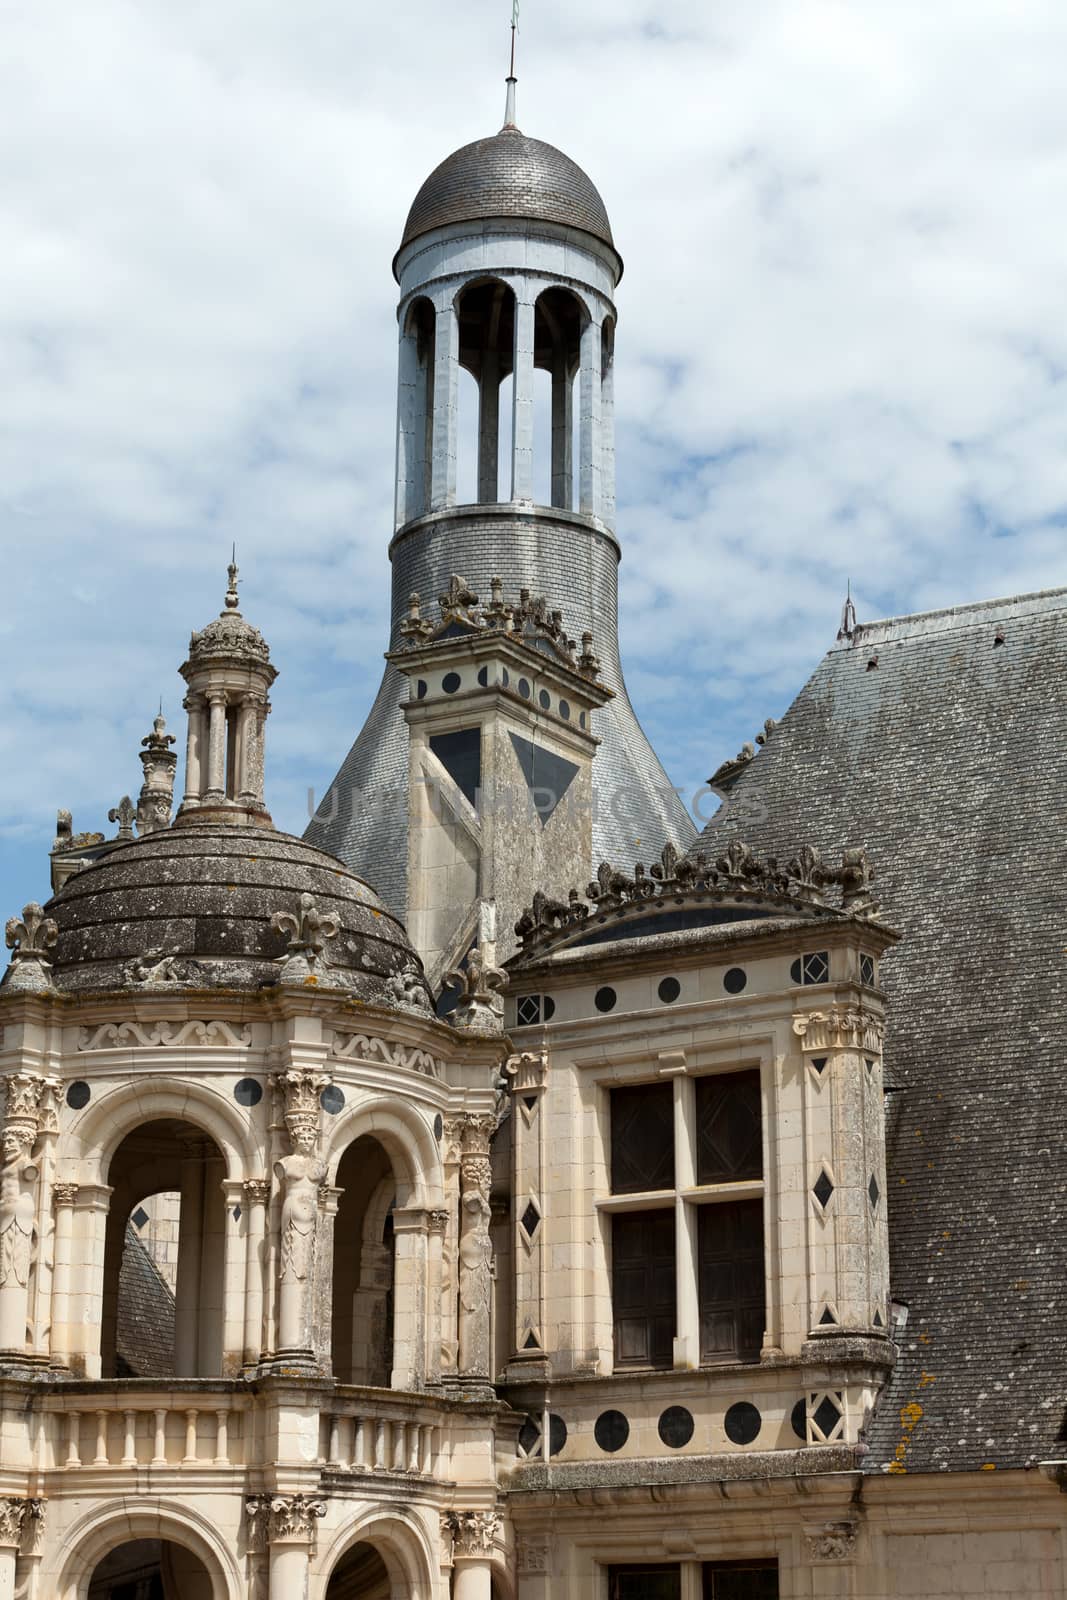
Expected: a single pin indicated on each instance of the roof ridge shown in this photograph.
(953, 615)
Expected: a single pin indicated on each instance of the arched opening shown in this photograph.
(467, 424)
(151, 1569)
(485, 314)
(607, 418)
(361, 1574)
(558, 319)
(415, 442)
(364, 1266)
(164, 1255)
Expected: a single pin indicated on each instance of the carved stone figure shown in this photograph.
(475, 1269)
(300, 1175)
(18, 1182)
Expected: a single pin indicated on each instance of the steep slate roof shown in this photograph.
(145, 1333)
(948, 761)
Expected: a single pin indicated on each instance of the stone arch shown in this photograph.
(418, 344)
(405, 1135)
(485, 310)
(560, 317)
(104, 1528)
(403, 1546)
(92, 1141)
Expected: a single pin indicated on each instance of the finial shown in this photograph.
(231, 592)
(509, 107)
(848, 616)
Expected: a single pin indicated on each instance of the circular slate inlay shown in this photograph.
(557, 1434)
(676, 1427)
(565, 710)
(611, 1431)
(735, 980)
(247, 1092)
(420, 689)
(605, 999)
(332, 1099)
(438, 1125)
(548, 1007)
(524, 688)
(529, 1437)
(451, 682)
(669, 990)
(505, 677)
(78, 1095)
(798, 1419)
(742, 1422)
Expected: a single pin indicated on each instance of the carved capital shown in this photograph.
(471, 1533)
(293, 1516)
(835, 1541)
(20, 1521)
(256, 1191)
(64, 1194)
(528, 1072)
(438, 1221)
(23, 1093)
(475, 1134)
(840, 1028)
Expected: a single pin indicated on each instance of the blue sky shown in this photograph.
(841, 350)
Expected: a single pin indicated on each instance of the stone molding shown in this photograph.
(391, 1052)
(112, 1035)
(528, 1072)
(533, 1553)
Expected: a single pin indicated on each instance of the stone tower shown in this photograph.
(507, 269)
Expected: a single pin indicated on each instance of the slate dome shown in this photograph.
(191, 906)
(508, 175)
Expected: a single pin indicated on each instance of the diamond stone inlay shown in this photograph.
(873, 1190)
(529, 1219)
(823, 1189)
(826, 1416)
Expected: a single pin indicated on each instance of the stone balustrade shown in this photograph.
(365, 1436)
(155, 1429)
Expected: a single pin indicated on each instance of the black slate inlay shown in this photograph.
(528, 1010)
(557, 1434)
(873, 1191)
(548, 1007)
(451, 682)
(742, 1422)
(676, 1427)
(826, 1416)
(139, 1218)
(78, 1095)
(669, 990)
(247, 1092)
(544, 699)
(438, 1125)
(529, 1219)
(529, 1437)
(819, 1063)
(611, 1431)
(605, 998)
(822, 1189)
(828, 1319)
(483, 677)
(460, 754)
(531, 1342)
(548, 776)
(332, 1099)
(735, 980)
(798, 1421)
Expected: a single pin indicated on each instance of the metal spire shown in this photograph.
(231, 593)
(848, 616)
(509, 108)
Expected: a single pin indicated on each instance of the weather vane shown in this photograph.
(514, 31)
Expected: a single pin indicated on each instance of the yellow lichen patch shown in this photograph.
(311, 982)
(230, 887)
(988, 1466)
(911, 1414)
(1021, 1284)
(927, 1378)
(946, 1234)
(924, 1338)
(896, 1466)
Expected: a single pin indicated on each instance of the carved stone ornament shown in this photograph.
(472, 1533)
(64, 1194)
(153, 969)
(836, 1541)
(407, 989)
(534, 1553)
(308, 929)
(528, 1072)
(368, 1047)
(159, 762)
(299, 1090)
(31, 938)
(201, 1035)
(21, 1521)
(736, 875)
(125, 814)
(840, 1028)
(529, 621)
(293, 1516)
(256, 1191)
(480, 1008)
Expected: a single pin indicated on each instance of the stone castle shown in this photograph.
(502, 1193)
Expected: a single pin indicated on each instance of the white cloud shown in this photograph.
(841, 351)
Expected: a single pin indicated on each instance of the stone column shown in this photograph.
(473, 1534)
(244, 747)
(291, 1524)
(475, 1249)
(607, 424)
(445, 397)
(190, 1246)
(523, 403)
(298, 1175)
(215, 787)
(435, 1291)
(20, 1526)
(687, 1312)
(258, 707)
(589, 402)
(562, 432)
(257, 1196)
(194, 749)
(408, 423)
(63, 1197)
(529, 1076)
(19, 1173)
(489, 429)
(410, 1233)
